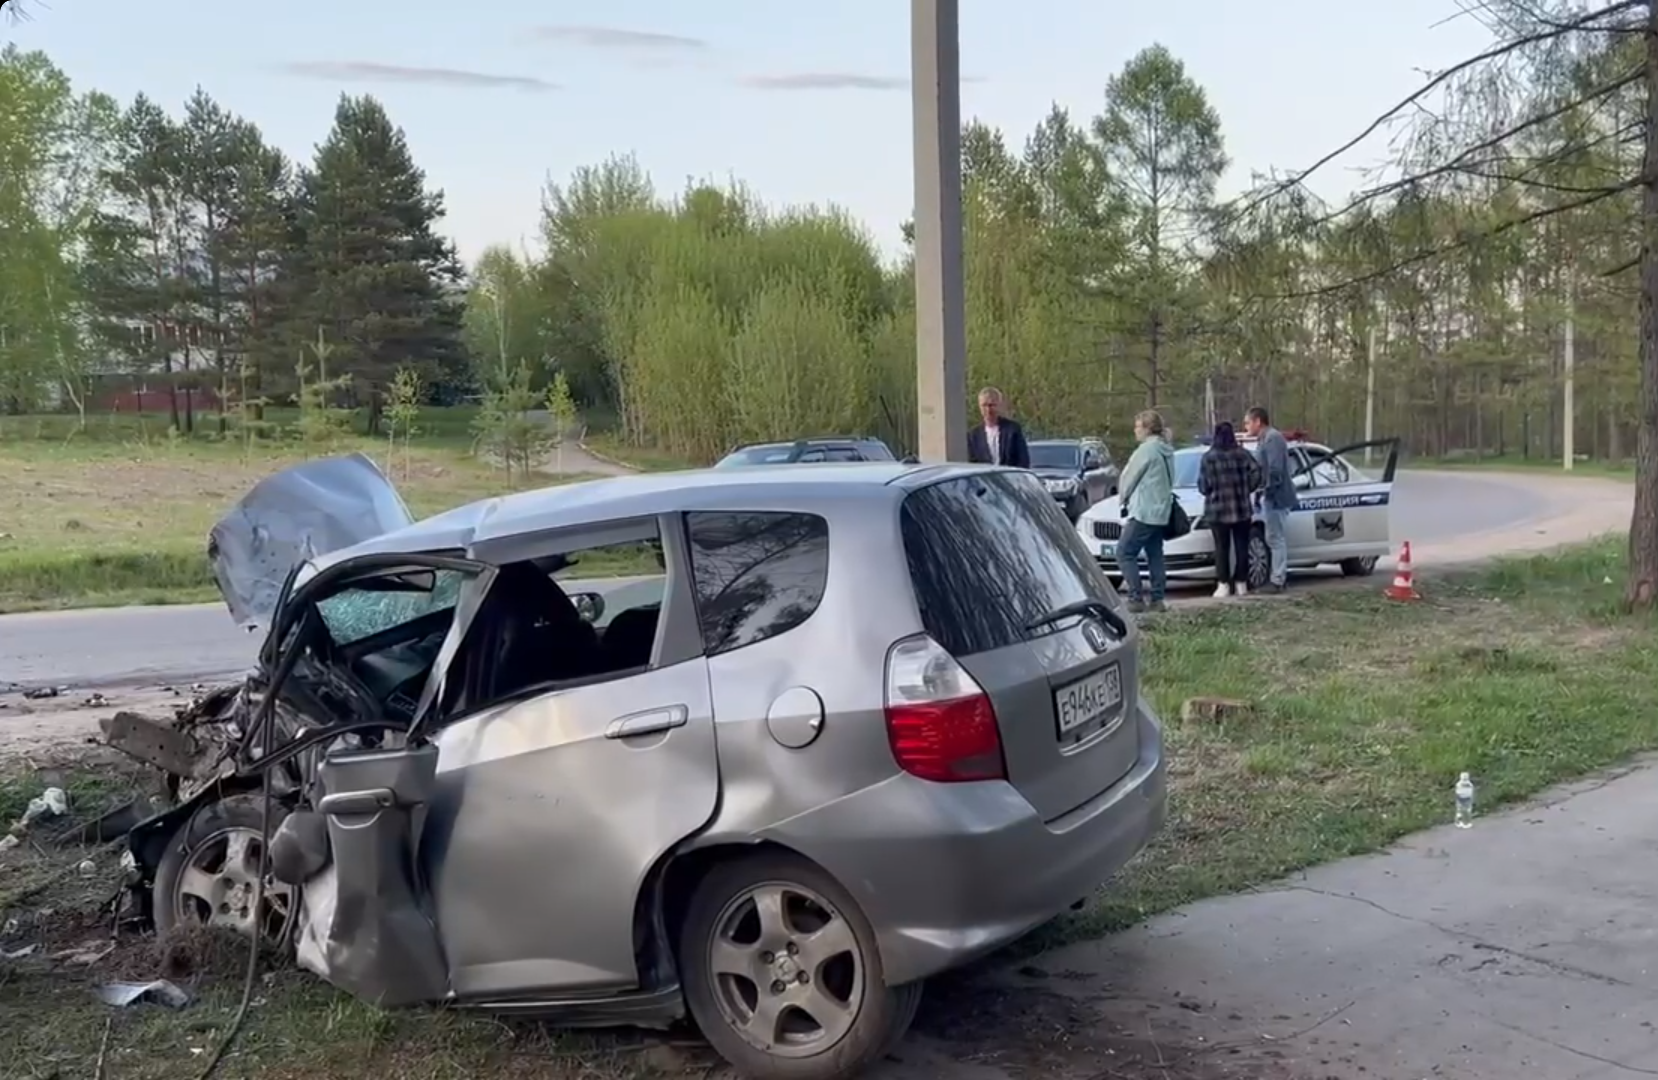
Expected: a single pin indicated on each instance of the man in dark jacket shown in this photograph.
(999, 440)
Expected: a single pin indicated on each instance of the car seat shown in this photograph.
(535, 635)
(631, 636)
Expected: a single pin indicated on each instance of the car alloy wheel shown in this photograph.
(782, 973)
(1359, 567)
(209, 875)
(1260, 560)
(789, 972)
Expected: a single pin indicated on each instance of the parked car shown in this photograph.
(1344, 516)
(808, 451)
(840, 729)
(1077, 472)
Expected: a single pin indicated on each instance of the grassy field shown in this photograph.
(119, 515)
(1622, 470)
(1364, 713)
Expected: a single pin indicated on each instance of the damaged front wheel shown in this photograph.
(209, 875)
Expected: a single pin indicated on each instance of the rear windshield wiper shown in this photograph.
(1097, 608)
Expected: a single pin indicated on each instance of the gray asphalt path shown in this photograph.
(1519, 949)
(1472, 513)
(124, 646)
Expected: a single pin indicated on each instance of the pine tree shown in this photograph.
(380, 279)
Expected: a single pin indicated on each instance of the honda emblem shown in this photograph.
(1096, 636)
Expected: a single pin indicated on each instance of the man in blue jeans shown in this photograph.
(1144, 494)
(1277, 496)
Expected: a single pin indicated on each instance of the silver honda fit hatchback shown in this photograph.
(810, 735)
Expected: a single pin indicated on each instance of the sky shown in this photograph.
(802, 103)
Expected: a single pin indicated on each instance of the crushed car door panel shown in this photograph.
(613, 770)
(366, 922)
(300, 513)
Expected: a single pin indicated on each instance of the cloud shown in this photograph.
(825, 80)
(619, 38)
(835, 80)
(369, 71)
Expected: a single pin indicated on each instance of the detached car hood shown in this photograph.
(303, 512)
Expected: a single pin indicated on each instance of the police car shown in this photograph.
(1343, 519)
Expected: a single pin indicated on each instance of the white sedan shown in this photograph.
(1343, 518)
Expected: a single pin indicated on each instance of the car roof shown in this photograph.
(815, 440)
(619, 498)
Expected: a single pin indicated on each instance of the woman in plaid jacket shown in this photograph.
(1228, 477)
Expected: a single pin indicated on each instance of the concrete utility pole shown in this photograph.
(940, 316)
(1567, 405)
(1370, 396)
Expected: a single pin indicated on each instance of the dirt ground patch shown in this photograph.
(52, 728)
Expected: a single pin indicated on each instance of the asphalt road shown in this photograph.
(185, 644)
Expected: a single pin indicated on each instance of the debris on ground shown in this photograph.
(191, 749)
(51, 803)
(126, 994)
(1214, 709)
(40, 693)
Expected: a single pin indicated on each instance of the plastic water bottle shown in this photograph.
(1465, 802)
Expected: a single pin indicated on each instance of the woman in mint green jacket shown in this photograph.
(1144, 493)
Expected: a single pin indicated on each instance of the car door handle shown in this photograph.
(647, 723)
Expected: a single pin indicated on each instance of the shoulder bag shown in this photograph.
(1180, 522)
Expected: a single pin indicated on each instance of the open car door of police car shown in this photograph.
(1344, 511)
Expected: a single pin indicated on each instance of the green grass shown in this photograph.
(91, 522)
(449, 425)
(647, 458)
(1622, 470)
(1523, 673)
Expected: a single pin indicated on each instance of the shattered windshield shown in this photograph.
(356, 614)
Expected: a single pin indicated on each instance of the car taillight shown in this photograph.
(939, 720)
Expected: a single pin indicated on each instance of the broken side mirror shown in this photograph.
(589, 605)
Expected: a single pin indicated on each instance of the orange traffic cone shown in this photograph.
(1404, 583)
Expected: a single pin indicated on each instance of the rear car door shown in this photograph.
(1006, 586)
(1348, 509)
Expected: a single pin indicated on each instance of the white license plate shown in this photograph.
(1089, 699)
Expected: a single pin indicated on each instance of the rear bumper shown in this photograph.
(949, 872)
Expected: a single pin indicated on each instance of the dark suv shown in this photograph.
(821, 449)
(1077, 472)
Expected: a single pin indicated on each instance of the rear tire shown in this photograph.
(1360, 567)
(766, 940)
(1260, 560)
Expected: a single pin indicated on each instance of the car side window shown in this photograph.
(841, 453)
(1300, 468)
(757, 574)
(1329, 469)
